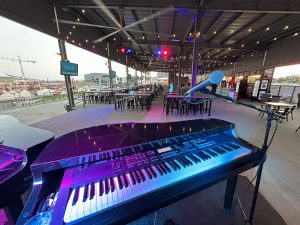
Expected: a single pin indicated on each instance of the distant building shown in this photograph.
(99, 78)
(162, 75)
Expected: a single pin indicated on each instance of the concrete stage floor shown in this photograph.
(281, 175)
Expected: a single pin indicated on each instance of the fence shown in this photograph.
(286, 91)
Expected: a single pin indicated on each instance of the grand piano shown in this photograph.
(113, 174)
(19, 147)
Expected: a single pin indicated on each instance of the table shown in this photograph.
(179, 100)
(133, 100)
(97, 96)
(277, 105)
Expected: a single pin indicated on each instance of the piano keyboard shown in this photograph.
(101, 195)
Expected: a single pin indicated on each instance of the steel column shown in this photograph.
(196, 48)
(109, 66)
(63, 54)
(127, 81)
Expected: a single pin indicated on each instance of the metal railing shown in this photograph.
(288, 92)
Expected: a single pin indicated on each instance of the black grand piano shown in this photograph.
(19, 147)
(113, 174)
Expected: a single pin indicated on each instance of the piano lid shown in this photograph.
(99, 138)
(17, 135)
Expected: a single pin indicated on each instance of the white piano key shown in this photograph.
(87, 203)
(80, 203)
(98, 197)
(114, 194)
(67, 216)
(94, 200)
(160, 181)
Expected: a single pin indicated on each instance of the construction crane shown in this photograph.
(21, 66)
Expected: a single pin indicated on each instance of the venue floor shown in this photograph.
(281, 175)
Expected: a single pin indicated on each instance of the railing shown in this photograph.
(288, 92)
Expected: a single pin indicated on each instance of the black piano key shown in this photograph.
(159, 170)
(219, 150)
(104, 155)
(138, 179)
(132, 178)
(75, 198)
(227, 148)
(172, 165)
(181, 161)
(196, 156)
(203, 156)
(152, 171)
(166, 167)
(112, 185)
(163, 169)
(187, 160)
(114, 154)
(213, 154)
(107, 187)
(175, 164)
(194, 159)
(233, 145)
(120, 182)
(92, 191)
(85, 193)
(148, 173)
(101, 187)
(126, 181)
(142, 175)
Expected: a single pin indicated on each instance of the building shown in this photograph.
(99, 78)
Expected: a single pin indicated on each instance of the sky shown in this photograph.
(287, 71)
(18, 40)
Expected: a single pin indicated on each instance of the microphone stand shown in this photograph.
(271, 115)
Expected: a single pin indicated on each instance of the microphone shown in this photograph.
(215, 77)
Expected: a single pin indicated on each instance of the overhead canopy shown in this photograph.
(228, 28)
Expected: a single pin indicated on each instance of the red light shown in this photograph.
(165, 52)
(123, 50)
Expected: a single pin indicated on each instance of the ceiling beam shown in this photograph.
(225, 26)
(273, 24)
(201, 45)
(212, 27)
(139, 26)
(236, 33)
(190, 7)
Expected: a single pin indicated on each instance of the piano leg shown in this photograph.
(13, 209)
(230, 189)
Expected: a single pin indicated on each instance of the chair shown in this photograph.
(265, 97)
(291, 112)
(275, 98)
(297, 129)
(285, 113)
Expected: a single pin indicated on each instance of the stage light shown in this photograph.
(129, 51)
(159, 52)
(165, 52)
(123, 50)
